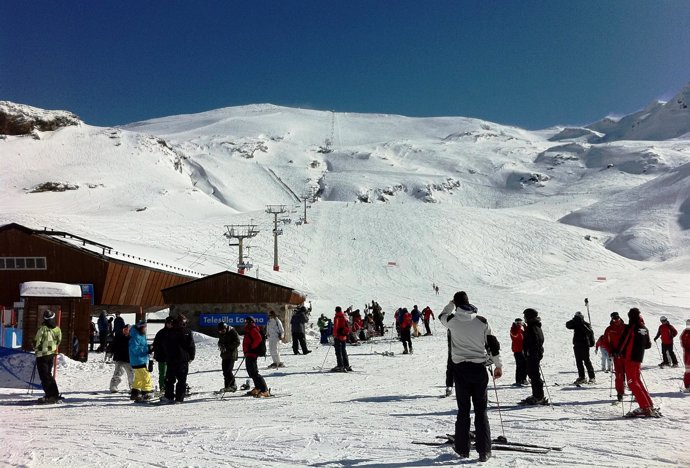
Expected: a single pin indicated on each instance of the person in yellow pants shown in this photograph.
(142, 389)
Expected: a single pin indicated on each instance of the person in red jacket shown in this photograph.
(612, 335)
(605, 359)
(406, 331)
(685, 343)
(250, 344)
(427, 314)
(667, 332)
(341, 330)
(633, 344)
(517, 335)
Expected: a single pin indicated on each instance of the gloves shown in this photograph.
(596, 351)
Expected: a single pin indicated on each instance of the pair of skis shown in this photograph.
(500, 443)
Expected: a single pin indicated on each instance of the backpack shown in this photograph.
(260, 350)
(590, 337)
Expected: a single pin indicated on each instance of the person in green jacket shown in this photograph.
(46, 344)
(228, 342)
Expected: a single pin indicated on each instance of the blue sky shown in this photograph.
(528, 63)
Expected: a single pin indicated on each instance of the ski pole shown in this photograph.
(546, 387)
(30, 387)
(233, 376)
(325, 357)
(611, 372)
(658, 351)
(588, 316)
(498, 403)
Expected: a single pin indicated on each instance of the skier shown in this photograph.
(406, 331)
(685, 344)
(250, 346)
(605, 359)
(378, 316)
(416, 316)
(471, 336)
(517, 333)
(341, 330)
(46, 342)
(138, 359)
(427, 314)
(298, 321)
(667, 332)
(121, 360)
(159, 352)
(634, 341)
(228, 342)
(583, 339)
(275, 333)
(613, 334)
(449, 367)
(180, 350)
(533, 347)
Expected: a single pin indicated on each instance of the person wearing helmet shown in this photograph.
(667, 332)
(228, 342)
(46, 344)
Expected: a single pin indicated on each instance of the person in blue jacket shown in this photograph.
(416, 317)
(142, 389)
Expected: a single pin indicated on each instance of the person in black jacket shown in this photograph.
(583, 339)
(179, 351)
(121, 359)
(228, 342)
(533, 349)
(297, 323)
(159, 352)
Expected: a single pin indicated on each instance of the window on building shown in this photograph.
(22, 263)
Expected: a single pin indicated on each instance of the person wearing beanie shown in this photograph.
(46, 343)
(632, 346)
(667, 332)
(228, 342)
(612, 337)
(179, 350)
(298, 324)
(685, 344)
(517, 334)
(533, 348)
(341, 329)
(159, 353)
(583, 339)
(139, 358)
(251, 344)
(473, 347)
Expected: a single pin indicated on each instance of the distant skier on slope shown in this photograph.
(471, 337)
(667, 332)
(633, 344)
(583, 339)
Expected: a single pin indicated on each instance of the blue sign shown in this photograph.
(234, 320)
(87, 292)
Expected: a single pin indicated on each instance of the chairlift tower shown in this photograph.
(275, 210)
(241, 232)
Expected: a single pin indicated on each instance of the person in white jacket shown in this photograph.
(275, 333)
(471, 338)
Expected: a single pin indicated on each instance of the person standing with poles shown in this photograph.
(533, 348)
(471, 337)
(613, 335)
(341, 329)
(517, 334)
(667, 332)
(228, 342)
(253, 346)
(46, 343)
(583, 339)
(633, 344)
(297, 323)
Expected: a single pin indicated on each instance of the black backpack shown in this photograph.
(590, 336)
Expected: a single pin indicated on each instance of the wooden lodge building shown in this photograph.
(110, 283)
(107, 283)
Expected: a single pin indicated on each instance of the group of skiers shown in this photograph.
(407, 325)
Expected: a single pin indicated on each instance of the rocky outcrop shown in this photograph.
(20, 119)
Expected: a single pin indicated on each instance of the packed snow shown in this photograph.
(516, 218)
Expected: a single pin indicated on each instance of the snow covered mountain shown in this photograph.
(517, 218)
